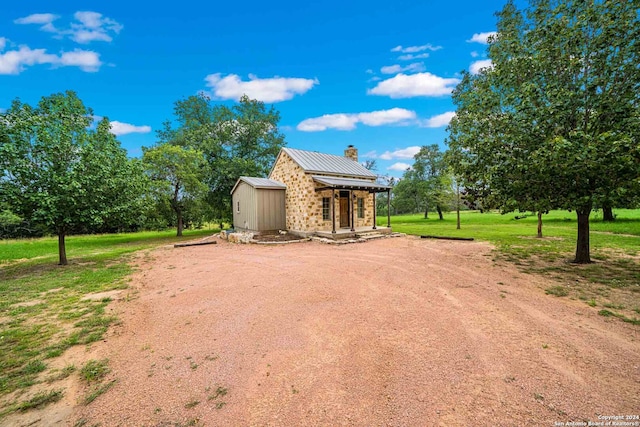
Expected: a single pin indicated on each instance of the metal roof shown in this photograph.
(312, 161)
(260, 183)
(349, 183)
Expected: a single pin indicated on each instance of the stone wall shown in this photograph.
(303, 204)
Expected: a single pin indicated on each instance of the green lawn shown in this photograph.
(506, 231)
(42, 312)
(46, 248)
(612, 281)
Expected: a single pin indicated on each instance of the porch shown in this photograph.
(343, 190)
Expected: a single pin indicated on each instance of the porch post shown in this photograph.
(333, 211)
(389, 208)
(352, 213)
(374, 211)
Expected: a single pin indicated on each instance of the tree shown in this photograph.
(370, 165)
(382, 202)
(407, 196)
(554, 122)
(430, 176)
(426, 185)
(177, 174)
(59, 173)
(240, 140)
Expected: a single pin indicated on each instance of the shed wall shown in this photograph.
(246, 218)
(271, 209)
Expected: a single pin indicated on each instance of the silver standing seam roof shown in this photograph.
(260, 183)
(314, 162)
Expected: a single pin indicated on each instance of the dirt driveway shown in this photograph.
(393, 332)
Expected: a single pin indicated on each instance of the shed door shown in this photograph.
(344, 210)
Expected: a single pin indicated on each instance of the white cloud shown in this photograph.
(385, 117)
(395, 69)
(439, 120)
(37, 18)
(370, 154)
(3, 43)
(15, 61)
(477, 66)
(481, 37)
(404, 153)
(344, 121)
(93, 27)
(399, 167)
(45, 20)
(474, 54)
(269, 90)
(421, 84)
(85, 59)
(416, 49)
(119, 128)
(329, 121)
(90, 26)
(411, 57)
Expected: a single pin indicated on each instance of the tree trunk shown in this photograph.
(180, 224)
(607, 213)
(458, 206)
(582, 245)
(439, 209)
(62, 250)
(426, 212)
(177, 207)
(539, 224)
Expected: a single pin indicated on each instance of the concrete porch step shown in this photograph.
(369, 236)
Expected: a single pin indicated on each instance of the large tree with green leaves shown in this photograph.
(239, 140)
(429, 174)
(555, 122)
(176, 174)
(61, 174)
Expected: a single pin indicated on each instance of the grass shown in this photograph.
(42, 310)
(220, 392)
(39, 400)
(613, 279)
(95, 370)
(559, 291)
(96, 391)
(191, 404)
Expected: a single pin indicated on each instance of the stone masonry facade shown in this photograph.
(303, 204)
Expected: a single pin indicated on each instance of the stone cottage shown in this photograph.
(324, 194)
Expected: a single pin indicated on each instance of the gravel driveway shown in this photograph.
(392, 332)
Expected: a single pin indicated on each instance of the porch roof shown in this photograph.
(348, 184)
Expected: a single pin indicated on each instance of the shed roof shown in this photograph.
(349, 183)
(315, 162)
(260, 183)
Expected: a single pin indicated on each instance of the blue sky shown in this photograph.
(375, 74)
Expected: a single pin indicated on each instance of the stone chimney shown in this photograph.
(351, 153)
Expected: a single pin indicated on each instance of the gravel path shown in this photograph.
(393, 332)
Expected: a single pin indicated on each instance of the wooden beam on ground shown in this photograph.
(468, 239)
(182, 245)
